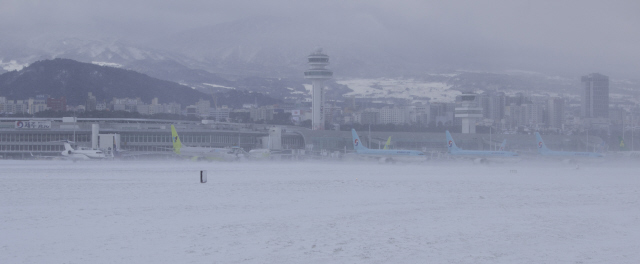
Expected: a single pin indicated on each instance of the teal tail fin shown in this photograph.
(541, 146)
(451, 145)
(504, 145)
(357, 144)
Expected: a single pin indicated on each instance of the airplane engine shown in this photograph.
(382, 160)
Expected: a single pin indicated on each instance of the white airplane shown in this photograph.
(82, 153)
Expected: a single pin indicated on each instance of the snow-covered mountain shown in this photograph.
(108, 52)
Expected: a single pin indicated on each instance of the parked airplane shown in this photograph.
(544, 151)
(385, 155)
(503, 145)
(82, 153)
(204, 152)
(481, 154)
(386, 146)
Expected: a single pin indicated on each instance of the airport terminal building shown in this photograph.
(20, 138)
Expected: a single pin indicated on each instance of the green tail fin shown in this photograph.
(176, 140)
(386, 146)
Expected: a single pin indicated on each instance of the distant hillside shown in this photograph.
(74, 80)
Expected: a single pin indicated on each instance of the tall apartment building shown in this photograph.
(555, 112)
(392, 115)
(368, 117)
(13, 107)
(37, 104)
(527, 115)
(493, 105)
(595, 96)
(534, 114)
(202, 107)
(91, 103)
(219, 114)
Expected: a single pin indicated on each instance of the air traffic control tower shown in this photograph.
(469, 111)
(317, 73)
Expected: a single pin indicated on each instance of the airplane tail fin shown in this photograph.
(357, 144)
(386, 146)
(541, 146)
(176, 140)
(451, 145)
(504, 145)
(67, 147)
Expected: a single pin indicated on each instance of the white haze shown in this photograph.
(566, 37)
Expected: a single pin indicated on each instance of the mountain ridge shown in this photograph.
(74, 80)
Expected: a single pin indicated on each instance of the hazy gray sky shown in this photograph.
(585, 35)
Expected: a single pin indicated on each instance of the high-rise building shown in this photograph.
(595, 96)
(369, 117)
(392, 115)
(202, 107)
(317, 73)
(555, 112)
(91, 103)
(493, 105)
(534, 114)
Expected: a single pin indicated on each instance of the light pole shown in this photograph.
(369, 141)
(587, 145)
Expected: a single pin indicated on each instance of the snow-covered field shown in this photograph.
(158, 212)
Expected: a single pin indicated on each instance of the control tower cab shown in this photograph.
(317, 73)
(469, 111)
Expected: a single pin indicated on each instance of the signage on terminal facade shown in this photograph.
(33, 124)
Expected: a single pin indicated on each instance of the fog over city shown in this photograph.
(553, 37)
(288, 131)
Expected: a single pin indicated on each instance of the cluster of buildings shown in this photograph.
(502, 112)
(32, 105)
(131, 105)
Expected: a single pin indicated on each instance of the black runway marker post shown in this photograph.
(203, 176)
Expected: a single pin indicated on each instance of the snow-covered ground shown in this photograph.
(158, 212)
(107, 64)
(400, 88)
(218, 86)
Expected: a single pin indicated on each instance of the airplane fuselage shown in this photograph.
(84, 154)
(207, 152)
(483, 153)
(393, 155)
(571, 154)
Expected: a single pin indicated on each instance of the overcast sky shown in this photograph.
(583, 35)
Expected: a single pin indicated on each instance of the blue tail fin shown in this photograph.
(504, 145)
(357, 144)
(451, 145)
(541, 146)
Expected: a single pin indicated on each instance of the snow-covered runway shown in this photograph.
(158, 212)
